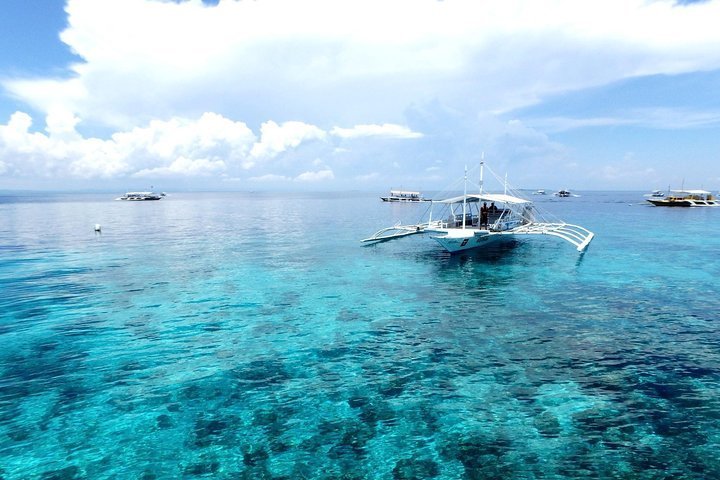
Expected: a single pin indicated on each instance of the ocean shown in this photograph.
(252, 335)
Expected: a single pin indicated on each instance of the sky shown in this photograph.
(327, 95)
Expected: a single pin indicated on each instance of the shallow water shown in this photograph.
(237, 335)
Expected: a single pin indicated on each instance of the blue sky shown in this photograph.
(367, 95)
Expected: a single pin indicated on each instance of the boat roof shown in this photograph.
(692, 192)
(486, 197)
(405, 192)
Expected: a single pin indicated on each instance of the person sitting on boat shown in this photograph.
(484, 215)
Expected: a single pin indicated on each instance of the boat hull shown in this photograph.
(452, 242)
(141, 196)
(684, 203)
(402, 200)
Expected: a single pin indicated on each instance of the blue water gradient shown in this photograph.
(238, 335)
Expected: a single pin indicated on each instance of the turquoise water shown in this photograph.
(237, 335)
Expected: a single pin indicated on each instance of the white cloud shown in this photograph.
(275, 139)
(386, 130)
(210, 135)
(270, 178)
(148, 69)
(210, 144)
(184, 167)
(60, 123)
(269, 58)
(318, 176)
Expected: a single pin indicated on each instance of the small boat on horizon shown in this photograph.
(476, 220)
(655, 194)
(563, 193)
(404, 196)
(686, 198)
(539, 192)
(141, 196)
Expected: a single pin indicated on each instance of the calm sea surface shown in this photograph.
(237, 335)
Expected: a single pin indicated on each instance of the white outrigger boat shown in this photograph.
(475, 220)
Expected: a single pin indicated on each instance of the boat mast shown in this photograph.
(482, 166)
(464, 198)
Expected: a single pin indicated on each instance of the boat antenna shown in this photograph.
(464, 198)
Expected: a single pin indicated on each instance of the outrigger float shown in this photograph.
(475, 220)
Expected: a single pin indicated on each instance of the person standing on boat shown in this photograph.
(484, 215)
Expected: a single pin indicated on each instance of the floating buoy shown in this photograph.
(97, 227)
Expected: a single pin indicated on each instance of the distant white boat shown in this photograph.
(655, 194)
(539, 192)
(476, 220)
(141, 196)
(403, 196)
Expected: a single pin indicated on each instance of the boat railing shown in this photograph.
(457, 220)
(498, 220)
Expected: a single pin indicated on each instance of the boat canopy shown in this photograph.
(485, 197)
(403, 192)
(692, 192)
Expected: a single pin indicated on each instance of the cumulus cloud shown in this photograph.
(275, 57)
(184, 167)
(61, 123)
(294, 76)
(276, 139)
(209, 146)
(177, 146)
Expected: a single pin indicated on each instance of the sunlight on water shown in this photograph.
(238, 335)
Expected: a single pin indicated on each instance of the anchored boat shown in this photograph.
(141, 196)
(475, 220)
(403, 196)
(655, 194)
(686, 198)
